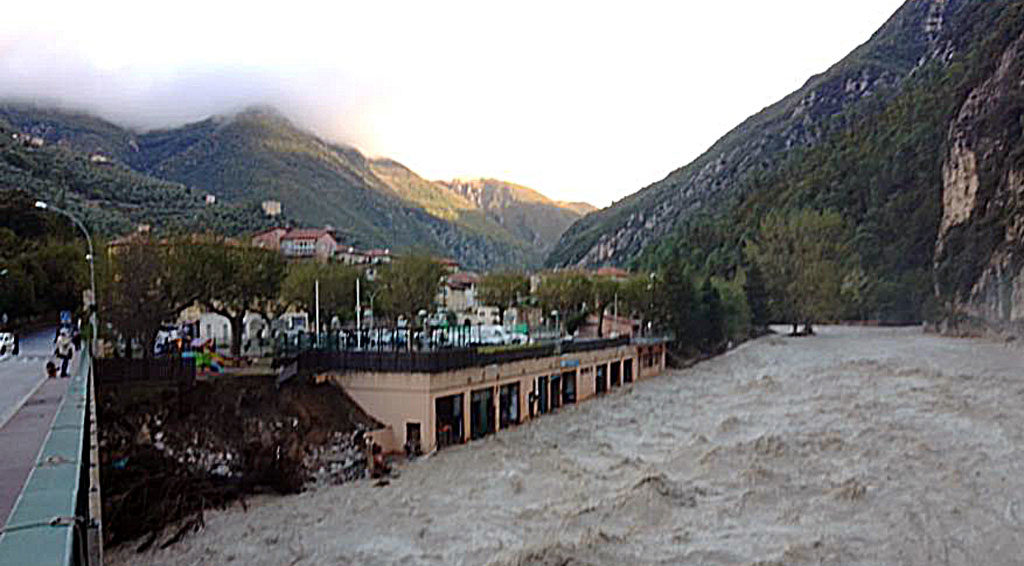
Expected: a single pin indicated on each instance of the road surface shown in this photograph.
(856, 446)
(21, 374)
(28, 404)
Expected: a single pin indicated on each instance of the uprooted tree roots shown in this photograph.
(170, 456)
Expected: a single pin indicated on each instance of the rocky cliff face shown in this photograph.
(922, 31)
(528, 215)
(980, 248)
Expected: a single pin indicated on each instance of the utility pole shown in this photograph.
(359, 319)
(316, 286)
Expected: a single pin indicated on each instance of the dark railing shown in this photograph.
(179, 370)
(435, 361)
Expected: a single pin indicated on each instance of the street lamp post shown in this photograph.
(92, 270)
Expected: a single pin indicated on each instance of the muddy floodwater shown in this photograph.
(856, 446)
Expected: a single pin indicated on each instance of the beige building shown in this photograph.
(309, 243)
(436, 409)
(458, 293)
(271, 207)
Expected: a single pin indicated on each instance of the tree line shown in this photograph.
(798, 268)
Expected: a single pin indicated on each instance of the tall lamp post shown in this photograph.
(92, 270)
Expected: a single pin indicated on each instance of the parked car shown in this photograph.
(495, 335)
(6, 343)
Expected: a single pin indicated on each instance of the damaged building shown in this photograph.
(429, 400)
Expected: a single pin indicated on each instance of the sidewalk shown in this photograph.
(22, 437)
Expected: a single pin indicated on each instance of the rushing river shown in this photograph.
(856, 446)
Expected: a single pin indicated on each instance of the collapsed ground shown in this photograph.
(169, 455)
(855, 446)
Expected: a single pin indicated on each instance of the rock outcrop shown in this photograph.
(921, 31)
(980, 248)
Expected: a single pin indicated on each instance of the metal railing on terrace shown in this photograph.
(438, 360)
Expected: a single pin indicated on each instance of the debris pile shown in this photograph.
(168, 455)
(340, 460)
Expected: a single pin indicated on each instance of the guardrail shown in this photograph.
(57, 519)
(180, 370)
(435, 361)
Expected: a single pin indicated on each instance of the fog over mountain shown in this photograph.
(143, 100)
(527, 91)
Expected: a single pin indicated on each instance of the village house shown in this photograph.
(450, 265)
(271, 207)
(378, 256)
(611, 326)
(349, 255)
(269, 239)
(458, 293)
(309, 243)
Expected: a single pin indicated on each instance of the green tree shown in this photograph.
(237, 279)
(636, 296)
(710, 318)
(756, 296)
(566, 292)
(410, 284)
(17, 292)
(606, 291)
(859, 292)
(735, 306)
(804, 256)
(337, 288)
(59, 272)
(144, 284)
(502, 289)
(675, 304)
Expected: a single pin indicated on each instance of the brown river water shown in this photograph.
(855, 446)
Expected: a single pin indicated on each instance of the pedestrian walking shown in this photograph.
(64, 349)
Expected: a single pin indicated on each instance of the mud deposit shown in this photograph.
(856, 446)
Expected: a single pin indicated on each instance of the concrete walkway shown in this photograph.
(22, 437)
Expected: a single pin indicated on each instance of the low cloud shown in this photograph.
(142, 99)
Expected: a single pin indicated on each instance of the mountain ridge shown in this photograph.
(797, 120)
(877, 138)
(258, 154)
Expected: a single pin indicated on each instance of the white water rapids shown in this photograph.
(855, 446)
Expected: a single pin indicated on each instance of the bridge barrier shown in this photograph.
(56, 519)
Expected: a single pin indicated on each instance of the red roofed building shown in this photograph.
(269, 239)
(379, 256)
(450, 265)
(458, 294)
(309, 243)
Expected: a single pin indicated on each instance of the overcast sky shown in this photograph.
(580, 100)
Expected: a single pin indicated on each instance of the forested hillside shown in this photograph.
(118, 178)
(868, 139)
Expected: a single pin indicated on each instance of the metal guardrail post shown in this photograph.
(94, 524)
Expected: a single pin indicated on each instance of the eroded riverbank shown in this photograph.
(856, 446)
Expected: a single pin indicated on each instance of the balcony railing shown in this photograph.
(436, 361)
